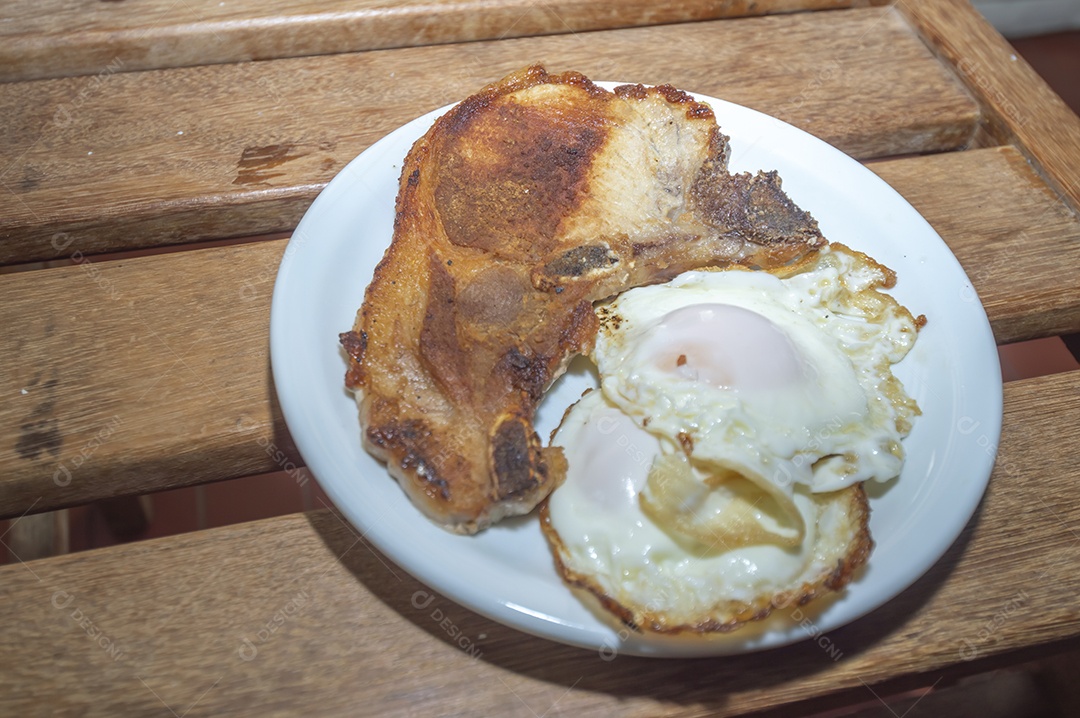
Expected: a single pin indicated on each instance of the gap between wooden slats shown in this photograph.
(305, 605)
(163, 157)
(1018, 106)
(140, 375)
(59, 38)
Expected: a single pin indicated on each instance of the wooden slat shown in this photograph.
(58, 38)
(131, 395)
(151, 158)
(284, 614)
(122, 380)
(1019, 105)
(1018, 243)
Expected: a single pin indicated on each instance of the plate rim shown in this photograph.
(518, 616)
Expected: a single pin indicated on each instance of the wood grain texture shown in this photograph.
(280, 615)
(114, 386)
(124, 160)
(1018, 243)
(1018, 104)
(157, 376)
(59, 38)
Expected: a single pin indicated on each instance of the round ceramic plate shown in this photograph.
(506, 572)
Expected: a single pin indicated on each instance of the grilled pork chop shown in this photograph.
(520, 207)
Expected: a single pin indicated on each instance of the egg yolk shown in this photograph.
(725, 346)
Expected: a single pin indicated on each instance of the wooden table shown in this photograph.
(147, 126)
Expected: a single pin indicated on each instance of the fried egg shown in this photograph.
(752, 406)
(655, 579)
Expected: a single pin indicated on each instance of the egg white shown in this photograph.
(657, 580)
(717, 473)
(811, 381)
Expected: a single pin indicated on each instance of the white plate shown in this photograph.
(506, 572)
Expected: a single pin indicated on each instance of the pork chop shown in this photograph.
(517, 210)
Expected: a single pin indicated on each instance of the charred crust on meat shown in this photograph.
(457, 118)
(527, 371)
(580, 332)
(402, 434)
(515, 458)
(579, 261)
(631, 92)
(694, 109)
(520, 173)
(698, 110)
(354, 344)
(409, 439)
(754, 208)
(774, 217)
(434, 485)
